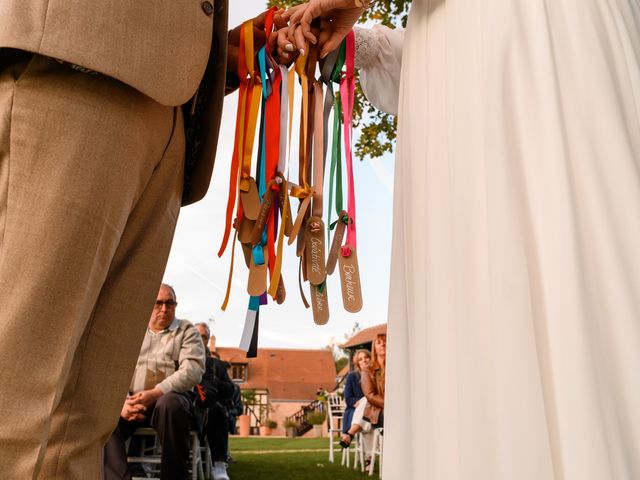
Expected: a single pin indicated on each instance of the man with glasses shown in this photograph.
(170, 364)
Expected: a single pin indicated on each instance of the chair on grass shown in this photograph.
(201, 468)
(335, 412)
(358, 451)
(376, 450)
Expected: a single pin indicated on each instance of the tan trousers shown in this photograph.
(90, 184)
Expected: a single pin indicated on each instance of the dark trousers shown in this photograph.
(171, 418)
(217, 429)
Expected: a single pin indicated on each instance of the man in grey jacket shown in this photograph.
(170, 363)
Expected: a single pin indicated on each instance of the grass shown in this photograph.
(287, 459)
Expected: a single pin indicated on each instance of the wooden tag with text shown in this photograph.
(336, 244)
(257, 283)
(350, 281)
(250, 200)
(319, 305)
(314, 250)
(263, 215)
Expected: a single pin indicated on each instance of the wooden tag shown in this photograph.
(320, 305)
(350, 281)
(336, 244)
(281, 293)
(314, 250)
(244, 232)
(246, 250)
(250, 200)
(263, 215)
(257, 283)
(288, 223)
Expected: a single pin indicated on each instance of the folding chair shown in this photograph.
(335, 412)
(151, 456)
(358, 451)
(376, 450)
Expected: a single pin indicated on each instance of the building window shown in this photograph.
(239, 372)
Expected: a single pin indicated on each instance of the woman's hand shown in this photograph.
(286, 41)
(341, 14)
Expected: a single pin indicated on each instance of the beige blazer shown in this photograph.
(159, 47)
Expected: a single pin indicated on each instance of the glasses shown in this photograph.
(166, 303)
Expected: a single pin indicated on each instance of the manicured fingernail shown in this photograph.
(289, 47)
(324, 54)
(302, 52)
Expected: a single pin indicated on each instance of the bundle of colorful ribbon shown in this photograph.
(262, 202)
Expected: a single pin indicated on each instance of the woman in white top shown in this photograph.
(514, 310)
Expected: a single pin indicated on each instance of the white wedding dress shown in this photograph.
(514, 317)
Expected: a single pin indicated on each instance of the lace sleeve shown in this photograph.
(379, 58)
(367, 47)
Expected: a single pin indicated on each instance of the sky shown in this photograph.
(200, 277)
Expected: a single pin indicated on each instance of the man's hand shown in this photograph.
(259, 39)
(133, 412)
(146, 398)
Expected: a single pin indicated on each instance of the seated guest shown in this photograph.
(170, 364)
(352, 390)
(211, 410)
(372, 383)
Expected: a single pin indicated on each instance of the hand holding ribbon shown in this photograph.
(343, 15)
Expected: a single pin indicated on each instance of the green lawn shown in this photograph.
(287, 459)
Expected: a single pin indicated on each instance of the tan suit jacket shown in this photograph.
(159, 47)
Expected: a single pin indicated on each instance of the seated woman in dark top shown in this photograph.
(352, 390)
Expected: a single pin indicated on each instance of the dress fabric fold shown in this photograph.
(514, 309)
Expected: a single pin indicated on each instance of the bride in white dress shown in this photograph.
(514, 310)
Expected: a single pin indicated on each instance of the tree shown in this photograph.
(377, 129)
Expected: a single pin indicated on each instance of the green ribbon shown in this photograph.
(335, 173)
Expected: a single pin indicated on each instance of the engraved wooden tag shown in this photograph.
(320, 305)
(288, 223)
(257, 283)
(281, 293)
(263, 215)
(250, 200)
(350, 281)
(336, 244)
(244, 232)
(314, 250)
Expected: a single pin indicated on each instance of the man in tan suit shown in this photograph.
(92, 168)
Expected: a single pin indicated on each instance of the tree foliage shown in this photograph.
(377, 129)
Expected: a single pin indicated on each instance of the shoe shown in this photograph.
(343, 442)
(220, 471)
